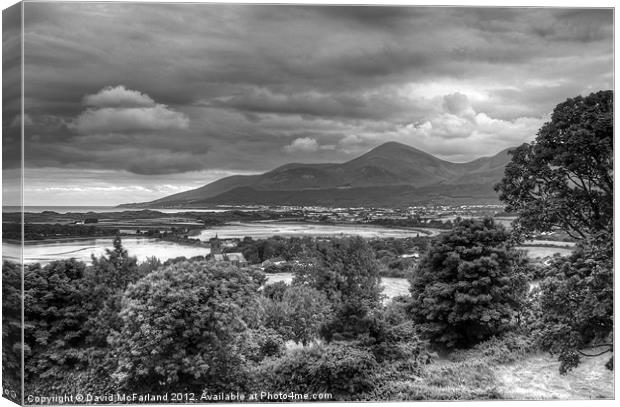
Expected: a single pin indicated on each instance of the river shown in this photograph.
(81, 249)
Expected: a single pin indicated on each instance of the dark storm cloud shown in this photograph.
(250, 87)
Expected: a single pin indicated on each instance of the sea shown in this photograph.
(104, 209)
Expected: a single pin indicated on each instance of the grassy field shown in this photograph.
(534, 377)
(537, 377)
(494, 372)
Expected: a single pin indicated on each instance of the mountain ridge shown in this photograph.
(389, 166)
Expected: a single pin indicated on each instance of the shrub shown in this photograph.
(467, 380)
(341, 370)
(506, 348)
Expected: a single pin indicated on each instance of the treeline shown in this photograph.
(387, 252)
(197, 326)
(46, 231)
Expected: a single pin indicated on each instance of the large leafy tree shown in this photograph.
(108, 277)
(185, 328)
(346, 271)
(469, 286)
(564, 179)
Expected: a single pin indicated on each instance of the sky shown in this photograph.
(132, 102)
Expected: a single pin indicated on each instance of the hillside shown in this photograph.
(392, 174)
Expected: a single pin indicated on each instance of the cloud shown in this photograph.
(304, 144)
(113, 120)
(247, 87)
(118, 96)
(117, 110)
(458, 104)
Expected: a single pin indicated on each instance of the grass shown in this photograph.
(537, 377)
(500, 369)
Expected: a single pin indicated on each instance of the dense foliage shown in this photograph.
(469, 285)
(295, 312)
(11, 331)
(578, 302)
(184, 328)
(341, 370)
(56, 317)
(564, 178)
(346, 271)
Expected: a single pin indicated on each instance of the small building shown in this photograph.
(216, 245)
(236, 258)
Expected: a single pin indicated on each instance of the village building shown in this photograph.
(237, 259)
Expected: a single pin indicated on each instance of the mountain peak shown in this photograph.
(393, 150)
(391, 165)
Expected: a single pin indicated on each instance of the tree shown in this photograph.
(108, 277)
(578, 302)
(346, 271)
(55, 330)
(296, 313)
(185, 328)
(564, 179)
(469, 286)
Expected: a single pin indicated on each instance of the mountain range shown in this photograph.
(390, 175)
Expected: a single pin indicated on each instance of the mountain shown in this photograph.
(392, 174)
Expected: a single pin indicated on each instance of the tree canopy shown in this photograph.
(564, 178)
(185, 326)
(469, 286)
(577, 303)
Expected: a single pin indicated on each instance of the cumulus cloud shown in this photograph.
(117, 110)
(113, 120)
(302, 144)
(118, 96)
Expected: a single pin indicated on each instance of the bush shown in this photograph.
(467, 380)
(507, 348)
(341, 370)
(184, 329)
(469, 286)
